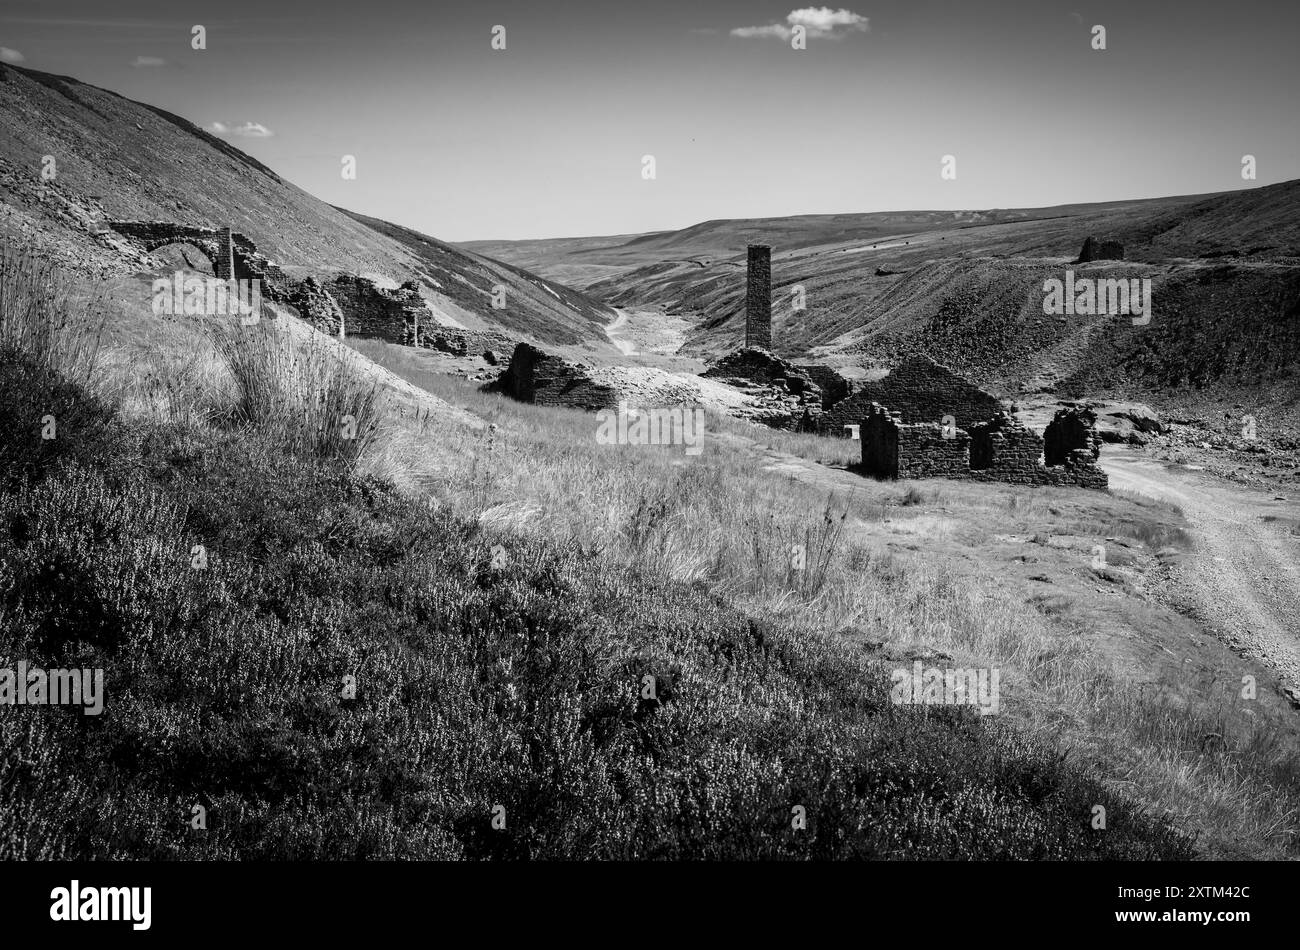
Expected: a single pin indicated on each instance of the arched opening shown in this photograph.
(184, 255)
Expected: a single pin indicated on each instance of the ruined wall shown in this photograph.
(1074, 427)
(834, 387)
(1004, 450)
(1072, 447)
(758, 297)
(315, 305)
(784, 396)
(537, 377)
(231, 254)
(1000, 449)
(894, 449)
(224, 266)
(396, 316)
(879, 436)
(919, 390)
(460, 342)
(1094, 250)
(924, 451)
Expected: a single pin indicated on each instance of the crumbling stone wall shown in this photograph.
(878, 433)
(1000, 449)
(1004, 450)
(1094, 250)
(224, 265)
(919, 390)
(834, 387)
(537, 377)
(894, 449)
(396, 316)
(460, 342)
(1073, 427)
(785, 395)
(231, 254)
(758, 297)
(1072, 447)
(315, 305)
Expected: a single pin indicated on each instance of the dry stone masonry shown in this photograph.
(538, 377)
(394, 316)
(892, 448)
(315, 305)
(785, 394)
(758, 298)
(232, 255)
(918, 390)
(834, 386)
(1000, 449)
(347, 305)
(1094, 250)
(1073, 428)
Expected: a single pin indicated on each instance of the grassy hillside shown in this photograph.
(119, 159)
(356, 673)
(1057, 230)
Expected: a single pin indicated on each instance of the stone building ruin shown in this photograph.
(1000, 449)
(919, 390)
(1095, 250)
(346, 305)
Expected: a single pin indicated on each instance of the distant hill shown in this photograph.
(120, 159)
(1051, 230)
(966, 288)
(1259, 222)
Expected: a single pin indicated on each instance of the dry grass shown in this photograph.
(723, 521)
(55, 322)
(311, 396)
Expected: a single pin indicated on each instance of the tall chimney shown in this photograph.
(758, 297)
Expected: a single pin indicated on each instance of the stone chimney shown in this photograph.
(758, 298)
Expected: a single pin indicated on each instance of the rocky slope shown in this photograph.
(116, 159)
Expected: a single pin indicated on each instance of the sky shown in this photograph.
(546, 138)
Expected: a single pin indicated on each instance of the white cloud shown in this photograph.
(8, 55)
(248, 130)
(149, 61)
(779, 30)
(818, 23)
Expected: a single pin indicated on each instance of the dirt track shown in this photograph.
(1243, 579)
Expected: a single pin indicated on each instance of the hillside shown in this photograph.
(1045, 230)
(1224, 272)
(117, 159)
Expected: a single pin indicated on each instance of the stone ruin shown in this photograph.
(538, 377)
(919, 390)
(378, 312)
(1094, 250)
(1000, 449)
(785, 395)
(347, 305)
(1073, 429)
(892, 448)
